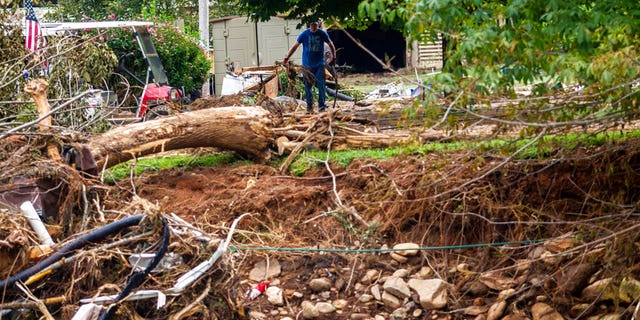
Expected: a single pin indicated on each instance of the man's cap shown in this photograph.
(314, 22)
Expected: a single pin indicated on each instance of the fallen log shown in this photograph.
(245, 130)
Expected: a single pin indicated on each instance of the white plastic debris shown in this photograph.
(35, 222)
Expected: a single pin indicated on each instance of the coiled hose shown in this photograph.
(91, 237)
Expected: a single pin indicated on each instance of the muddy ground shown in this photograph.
(511, 239)
(444, 203)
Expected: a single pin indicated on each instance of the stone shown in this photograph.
(397, 287)
(602, 289)
(406, 249)
(536, 252)
(497, 282)
(475, 310)
(365, 298)
(257, 315)
(477, 288)
(379, 317)
(325, 307)
(370, 276)
(400, 313)
(423, 273)
(575, 277)
(552, 259)
(561, 244)
(399, 258)
(260, 272)
(286, 318)
(297, 295)
(274, 295)
(496, 310)
(611, 316)
(400, 273)
(417, 313)
(340, 303)
(432, 293)
(390, 300)
(629, 290)
(320, 284)
(309, 310)
(359, 316)
(543, 311)
(506, 294)
(375, 291)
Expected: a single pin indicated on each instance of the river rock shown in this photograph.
(399, 258)
(602, 289)
(496, 310)
(390, 300)
(407, 249)
(340, 303)
(260, 272)
(257, 315)
(309, 310)
(320, 284)
(375, 291)
(432, 293)
(274, 295)
(325, 307)
(397, 287)
(629, 290)
(576, 277)
(543, 311)
(370, 276)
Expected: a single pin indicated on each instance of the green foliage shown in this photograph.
(565, 40)
(263, 10)
(124, 170)
(184, 61)
(505, 147)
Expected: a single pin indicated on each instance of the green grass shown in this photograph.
(545, 147)
(123, 170)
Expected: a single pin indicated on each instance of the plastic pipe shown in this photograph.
(36, 224)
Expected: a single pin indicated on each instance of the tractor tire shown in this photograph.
(157, 111)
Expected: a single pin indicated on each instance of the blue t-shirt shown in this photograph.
(313, 47)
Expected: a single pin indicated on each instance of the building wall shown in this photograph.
(234, 44)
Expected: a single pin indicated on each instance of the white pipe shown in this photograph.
(36, 223)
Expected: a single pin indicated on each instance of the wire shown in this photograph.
(451, 247)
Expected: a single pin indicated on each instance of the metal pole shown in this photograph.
(203, 24)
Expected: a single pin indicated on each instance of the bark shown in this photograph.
(245, 130)
(38, 91)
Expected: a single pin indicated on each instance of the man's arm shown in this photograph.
(293, 49)
(333, 50)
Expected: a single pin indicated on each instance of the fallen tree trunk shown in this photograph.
(245, 130)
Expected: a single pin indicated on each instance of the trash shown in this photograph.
(140, 261)
(257, 290)
(35, 222)
(393, 89)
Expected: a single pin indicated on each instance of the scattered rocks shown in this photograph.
(325, 307)
(320, 284)
(432, 293)
(274, 295)
(397, 287)
(260, 271)
(309, 310)
(543, 311)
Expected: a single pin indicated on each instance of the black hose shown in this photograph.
(91, 237)
(138, 277)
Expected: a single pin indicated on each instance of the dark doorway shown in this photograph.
(385, 44)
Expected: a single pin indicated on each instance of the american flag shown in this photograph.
(34, 39)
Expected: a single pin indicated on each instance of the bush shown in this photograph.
(185, 62)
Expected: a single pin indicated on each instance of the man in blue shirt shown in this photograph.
(313, 62)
